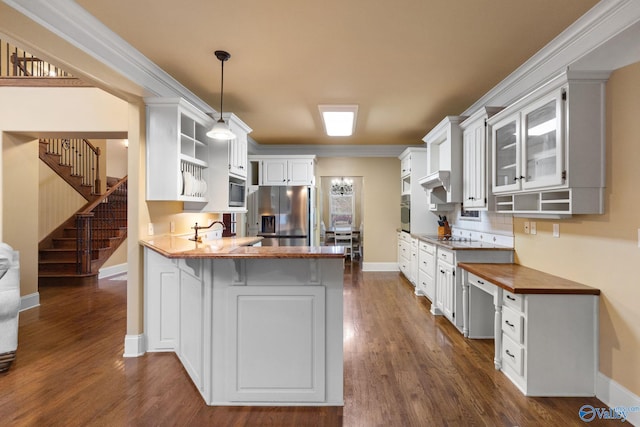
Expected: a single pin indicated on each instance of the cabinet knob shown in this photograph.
(509, 354)
(509, 323)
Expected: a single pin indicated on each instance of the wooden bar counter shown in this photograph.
(251, 325)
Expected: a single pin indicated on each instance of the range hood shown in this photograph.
(440, 178)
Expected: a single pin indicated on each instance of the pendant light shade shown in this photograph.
(220, 129)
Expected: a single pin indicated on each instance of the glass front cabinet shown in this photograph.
(548, 149)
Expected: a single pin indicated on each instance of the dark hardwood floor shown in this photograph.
(403, 367)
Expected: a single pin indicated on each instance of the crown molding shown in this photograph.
(72, 23)
(603, 25)
(327, 150)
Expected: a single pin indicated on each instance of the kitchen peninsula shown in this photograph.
(251, 325)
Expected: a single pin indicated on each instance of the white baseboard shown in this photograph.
(379, 266)
(29, 301)
(134, 345)
(114, 270)
(617, 397)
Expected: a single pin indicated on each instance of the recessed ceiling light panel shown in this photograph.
(339, 120)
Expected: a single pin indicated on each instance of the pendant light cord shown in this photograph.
(221, 87)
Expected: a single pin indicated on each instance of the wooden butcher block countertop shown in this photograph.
(524, 280)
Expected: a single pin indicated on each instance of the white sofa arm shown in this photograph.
(9, 304)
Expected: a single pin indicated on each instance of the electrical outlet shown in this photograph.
(526, 227)
(172, 227)
(556, 230)
(150, 229)
(534, 229)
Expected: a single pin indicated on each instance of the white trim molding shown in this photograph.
(618, 398)
(30, 301)
(134, 345)
(380, 266)
(113, 270)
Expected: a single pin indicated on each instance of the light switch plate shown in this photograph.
(534, 230)
(150, 229)
(556, 230)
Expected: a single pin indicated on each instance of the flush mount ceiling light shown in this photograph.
(339, 120)
(220, 129)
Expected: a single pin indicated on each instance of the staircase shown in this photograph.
(74, 252)
(76, 161)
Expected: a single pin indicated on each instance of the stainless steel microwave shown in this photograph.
(236, 193)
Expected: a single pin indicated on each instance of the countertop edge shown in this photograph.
(579, 289)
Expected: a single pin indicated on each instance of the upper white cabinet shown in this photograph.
(413, 166)
(548, 149)
(227, 172)
(285, 170)
(475, 158)
(177, 150)
(444, 171)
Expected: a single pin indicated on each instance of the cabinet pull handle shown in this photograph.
(511, 298)
(513, 356)
(509, 323)
(481, 282)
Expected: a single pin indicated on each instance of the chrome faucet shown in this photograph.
(197, 238)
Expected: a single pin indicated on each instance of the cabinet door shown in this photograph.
(274, 358)
(162, 290)
(274, 172)
(446, 291)
(238, 157)
(505, 137)
(191, 300)
(542, 154)
(300, 172)
(474, 166)
(414, 262)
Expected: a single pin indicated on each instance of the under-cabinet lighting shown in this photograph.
(339, 120)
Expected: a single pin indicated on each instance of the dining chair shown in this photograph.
(344, 237)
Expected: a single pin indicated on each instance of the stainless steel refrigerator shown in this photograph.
(284, 215)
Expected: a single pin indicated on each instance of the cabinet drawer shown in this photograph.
(512, 354)
(478, 282)
(405, 237)
(428, 248)
(512, 324)
(446, 256)
(426, 262)
(515, 301)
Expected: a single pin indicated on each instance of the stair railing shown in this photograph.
(82, 156)
(99, 220)
(18, 63)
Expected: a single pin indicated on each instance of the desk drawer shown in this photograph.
(515, 301)
(512, 324)
(512, 354)
(480, 283)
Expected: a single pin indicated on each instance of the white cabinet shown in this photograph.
(404, 254)
(414, 263)
(548, 149)
(549, 343)
(444, 173)
(475, 150)
(227, 171)
(445, 286)
(276, 358)
(426, 270)
(162, 293)
(237, 150)
(177, 150)
(413, 166)
(285, 170)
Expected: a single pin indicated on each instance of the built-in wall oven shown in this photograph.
(405, 212)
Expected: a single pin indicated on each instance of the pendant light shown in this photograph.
(220, 129)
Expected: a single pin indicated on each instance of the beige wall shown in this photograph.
(380, 200)
(602, 250)
(25, 113)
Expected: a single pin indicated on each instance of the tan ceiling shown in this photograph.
(406, 63)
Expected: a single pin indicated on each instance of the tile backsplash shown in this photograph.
(489, 226)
